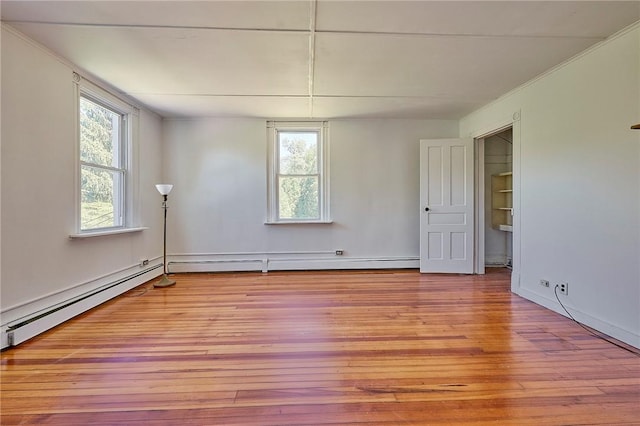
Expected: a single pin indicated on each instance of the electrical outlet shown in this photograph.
(339, 252)
(544, 283)
(144, 262)
(563, 288)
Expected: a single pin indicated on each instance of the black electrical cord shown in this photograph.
(589, 330)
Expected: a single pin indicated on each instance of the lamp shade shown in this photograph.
(164, 188)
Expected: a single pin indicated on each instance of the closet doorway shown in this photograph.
(494, 196)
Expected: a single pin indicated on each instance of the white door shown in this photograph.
(446, 201)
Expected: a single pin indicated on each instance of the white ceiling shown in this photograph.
(321, 59)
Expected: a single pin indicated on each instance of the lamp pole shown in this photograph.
(164, 189)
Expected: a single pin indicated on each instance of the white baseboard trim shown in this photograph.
(607, 328)
(27, 320)
(217, 263)
(345, 263)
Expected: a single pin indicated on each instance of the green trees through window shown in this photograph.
(298, 175)
(102, 172)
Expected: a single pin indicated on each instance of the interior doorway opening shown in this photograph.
(494, 200)
(498, 199)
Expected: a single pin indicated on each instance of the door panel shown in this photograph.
(446, 198)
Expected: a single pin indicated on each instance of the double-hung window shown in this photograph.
(105, 135)
(298, 180)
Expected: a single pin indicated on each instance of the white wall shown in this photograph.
(579, 168)
(580, 183)
(218, 205)
(39, 260)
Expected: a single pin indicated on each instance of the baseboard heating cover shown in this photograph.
(24, 328)
(265, 262)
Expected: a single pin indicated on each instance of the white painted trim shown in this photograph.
(516, 248)
(128, 142)
(26, 311)
(116, 231)
(322, 129)
(77, 178)
(479, 231)
(615, 331)
(253, 253)
(301, 222)
(270, 262)
(346, 263)
(104, 96)
(493, 128)
(217, 265)
(79, 288)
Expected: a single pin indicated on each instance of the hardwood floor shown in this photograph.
(368, 347)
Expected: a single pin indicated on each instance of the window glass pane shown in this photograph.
(101, 203)
(298, 153)
(298, 197)
(99, 134)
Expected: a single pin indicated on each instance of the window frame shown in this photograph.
(127, 141)
(274, 128)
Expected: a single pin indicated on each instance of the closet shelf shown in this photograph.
(502, 201)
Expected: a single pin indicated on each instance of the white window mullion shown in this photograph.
(98, 166)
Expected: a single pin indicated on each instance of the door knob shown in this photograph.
(426, 209)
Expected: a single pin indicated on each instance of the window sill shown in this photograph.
(301, 222)
(90, 234)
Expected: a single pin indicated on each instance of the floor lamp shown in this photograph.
(164, 189)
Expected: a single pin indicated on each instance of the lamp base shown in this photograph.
(164, 282)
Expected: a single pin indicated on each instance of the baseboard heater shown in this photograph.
(266, 264)
(25, 328)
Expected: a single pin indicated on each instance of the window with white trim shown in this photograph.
(104, 130)
(298, 179)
